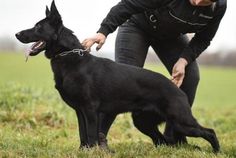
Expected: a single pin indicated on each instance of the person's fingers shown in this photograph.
(176, 74)
(84, 43)
(88, 50)
(88, 44)
(179, 83)
(174, 80)
(99, 46)
(177, 79)
(180, 80)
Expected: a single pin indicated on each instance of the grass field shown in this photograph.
(34, 122)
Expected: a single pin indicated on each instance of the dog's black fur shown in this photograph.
(95, 86)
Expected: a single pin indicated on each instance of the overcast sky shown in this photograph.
(84, 18)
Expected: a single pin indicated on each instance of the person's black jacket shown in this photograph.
(174, 17)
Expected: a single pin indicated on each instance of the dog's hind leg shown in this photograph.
(104, 122)
(147, 123)
(173, 137)
(198, 131)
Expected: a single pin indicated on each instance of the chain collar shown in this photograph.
(79, 52)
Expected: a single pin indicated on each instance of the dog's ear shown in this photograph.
(47, 12)
(54, 12)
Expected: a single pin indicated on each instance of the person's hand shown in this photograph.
(98, 38)
(178, 72)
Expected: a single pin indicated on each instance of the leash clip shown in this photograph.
(152, 18)
(80, 52)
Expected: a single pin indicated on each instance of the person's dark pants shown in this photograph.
(131, 48)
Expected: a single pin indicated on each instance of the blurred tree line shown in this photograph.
(218, 58)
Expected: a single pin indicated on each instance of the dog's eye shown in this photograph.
(38, 26)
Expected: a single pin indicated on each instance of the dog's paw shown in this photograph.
(103, 143)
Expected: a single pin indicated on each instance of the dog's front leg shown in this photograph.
(91, 123)
(82, 129)
(80, 117)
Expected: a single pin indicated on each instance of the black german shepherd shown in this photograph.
(95, 86)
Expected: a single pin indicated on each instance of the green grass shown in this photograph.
(34, 121)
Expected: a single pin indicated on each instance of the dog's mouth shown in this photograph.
(35, 48)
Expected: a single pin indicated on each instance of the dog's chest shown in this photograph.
(70, 84)
(73, 94)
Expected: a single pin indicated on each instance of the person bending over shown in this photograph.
(162, 25)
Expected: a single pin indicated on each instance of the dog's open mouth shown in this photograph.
(35, 48)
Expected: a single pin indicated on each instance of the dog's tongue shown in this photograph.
(34, 47)
(27, 53)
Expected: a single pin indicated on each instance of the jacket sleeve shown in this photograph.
(123, 11)
(202, 40)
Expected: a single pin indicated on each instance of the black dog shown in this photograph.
(95, 86)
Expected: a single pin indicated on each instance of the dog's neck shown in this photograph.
(66, 41)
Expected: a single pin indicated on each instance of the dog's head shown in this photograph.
(48, 34)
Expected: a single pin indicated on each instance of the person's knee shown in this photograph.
(195, 78)
(190, 83)
(192, 75)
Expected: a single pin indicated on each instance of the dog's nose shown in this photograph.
(17, 34)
